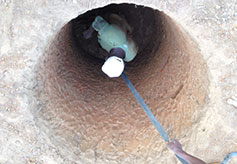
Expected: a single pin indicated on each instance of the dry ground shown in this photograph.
(28, 26)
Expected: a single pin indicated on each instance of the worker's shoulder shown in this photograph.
(120, 22)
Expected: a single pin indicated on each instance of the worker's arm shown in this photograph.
(176, 147)
(87, 34)
(97, 25)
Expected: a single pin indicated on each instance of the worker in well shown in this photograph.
(115, 39)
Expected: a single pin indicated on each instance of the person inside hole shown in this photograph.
(115, 38)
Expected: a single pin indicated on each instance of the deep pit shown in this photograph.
(90, 116)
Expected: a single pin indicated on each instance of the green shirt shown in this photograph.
(111, 36)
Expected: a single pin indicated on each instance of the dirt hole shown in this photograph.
(89, 116)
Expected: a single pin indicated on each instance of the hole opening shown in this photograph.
(83, 110)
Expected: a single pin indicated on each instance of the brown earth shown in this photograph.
(84, 110)
(56, 104)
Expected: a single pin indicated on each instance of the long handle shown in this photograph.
(148, 112)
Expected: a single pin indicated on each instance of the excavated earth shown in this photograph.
(57, 106)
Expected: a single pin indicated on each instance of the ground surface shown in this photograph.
(27, 27)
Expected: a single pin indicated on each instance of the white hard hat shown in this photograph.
(113, 66)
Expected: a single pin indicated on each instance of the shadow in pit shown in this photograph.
(84, 111)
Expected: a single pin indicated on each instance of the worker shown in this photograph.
(115, 39)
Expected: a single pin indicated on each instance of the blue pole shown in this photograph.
(148, 112)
